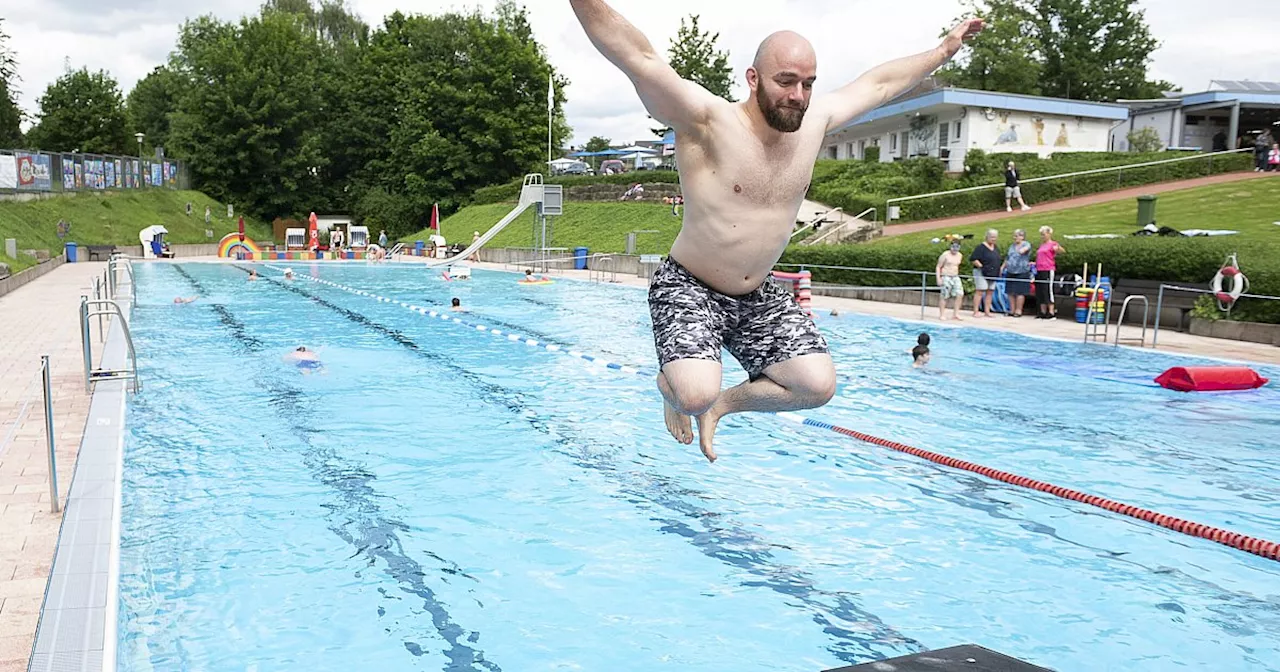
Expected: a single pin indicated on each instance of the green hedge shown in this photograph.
(509, 192)
(1189, 260)
(858, 185)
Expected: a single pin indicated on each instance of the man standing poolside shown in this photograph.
(746, 167)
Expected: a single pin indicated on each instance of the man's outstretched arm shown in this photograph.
(886, 81)
(672, 100)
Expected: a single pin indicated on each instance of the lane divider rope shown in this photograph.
(515, 338)
(1243, 542)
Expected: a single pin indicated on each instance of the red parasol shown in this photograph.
(240, 227)
(315, 232)
(435, 216)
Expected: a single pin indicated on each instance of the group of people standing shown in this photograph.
(1266, 153)
(988, 263)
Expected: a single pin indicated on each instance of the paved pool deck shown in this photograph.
(39, 318)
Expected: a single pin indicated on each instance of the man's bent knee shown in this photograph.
(693, 397)
(815, 390)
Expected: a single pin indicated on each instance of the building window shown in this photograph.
(832, 152)
(848, 148)
(862, 149)
(893, 142)
(942, 134)
(956, 134)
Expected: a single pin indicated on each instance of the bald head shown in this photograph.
(783, 48)
(781, 79)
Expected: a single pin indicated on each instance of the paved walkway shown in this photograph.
(1170, 341)
(36, 319)
(1068, 203)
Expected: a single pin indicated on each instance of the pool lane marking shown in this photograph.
(1254, 545)
(515, 338)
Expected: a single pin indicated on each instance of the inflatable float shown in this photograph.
(533, 282)
(1210, 378)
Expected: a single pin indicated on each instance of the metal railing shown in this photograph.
(46, 380)
(1155, 336)
(601, 266)
(1124, 308)
(1119, 170)
(841, 226)
(812, 222)
(114, 264)
(88, 309)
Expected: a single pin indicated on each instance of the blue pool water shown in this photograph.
(437, 498)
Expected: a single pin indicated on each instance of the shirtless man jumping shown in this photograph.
(745, 168)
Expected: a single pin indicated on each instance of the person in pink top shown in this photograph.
(1046, 265)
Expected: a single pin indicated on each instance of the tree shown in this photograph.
(693, 55)
(1085, 49)
(250, 128)
(1002, 57)
(10, 113)
(81, 111)
(151, 104)
(597, 144)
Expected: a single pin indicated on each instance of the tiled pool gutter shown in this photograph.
(77, 628)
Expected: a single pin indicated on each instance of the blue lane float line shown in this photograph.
(514, 338)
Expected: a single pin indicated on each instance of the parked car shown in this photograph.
(612, 166)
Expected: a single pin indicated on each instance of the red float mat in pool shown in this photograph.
(1210, 378)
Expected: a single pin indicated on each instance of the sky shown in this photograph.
(1200, 42)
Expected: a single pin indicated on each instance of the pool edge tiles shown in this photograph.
(77, 629)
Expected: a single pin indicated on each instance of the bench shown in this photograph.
(96, 251)
(1174, 299)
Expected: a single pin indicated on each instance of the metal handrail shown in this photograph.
(1095, 171)
(113, 264)
(841, 226)
(1155, 336)
(600, 265)
(1146, 309)
(92, 375)
(817, 218)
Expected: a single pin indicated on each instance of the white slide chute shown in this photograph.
(530, 193)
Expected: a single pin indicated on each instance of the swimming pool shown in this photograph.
(439, 498)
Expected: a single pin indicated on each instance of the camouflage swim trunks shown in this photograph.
(761, 328)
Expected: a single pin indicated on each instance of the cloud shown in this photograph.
(130, 37)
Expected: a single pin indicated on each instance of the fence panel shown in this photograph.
(30, 171)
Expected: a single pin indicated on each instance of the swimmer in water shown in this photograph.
(530, 277)
(919, 356)
(456, 305)
(288, 274)
(305, 359)
(181, 300)
(253, 274)
(745, 167)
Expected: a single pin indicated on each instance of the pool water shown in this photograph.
(439, 498)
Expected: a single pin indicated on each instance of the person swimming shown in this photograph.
(920, 353)
(181, 300)
(456, 305)
(305, 359)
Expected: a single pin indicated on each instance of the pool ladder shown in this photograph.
(104, 305)
(1146, 310)
(1095, 329)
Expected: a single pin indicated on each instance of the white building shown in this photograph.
(1208, 120)
(946, 123)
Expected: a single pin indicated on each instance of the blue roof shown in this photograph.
(1004, 101)
(1265, 98)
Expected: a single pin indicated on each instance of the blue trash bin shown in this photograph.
(71, 253)
(418, 246)
(580, 258)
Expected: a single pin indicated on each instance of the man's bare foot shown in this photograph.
(957, 318)
(707, 431)
(679, 424)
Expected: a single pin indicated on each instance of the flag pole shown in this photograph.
(550, 115)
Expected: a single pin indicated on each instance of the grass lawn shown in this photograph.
(1249, 207)
(600, 227)
(115, 217)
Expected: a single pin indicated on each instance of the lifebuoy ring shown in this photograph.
(1237, 284)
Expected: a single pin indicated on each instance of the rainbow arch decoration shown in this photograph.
(232, 246)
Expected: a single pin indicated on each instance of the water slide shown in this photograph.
(530, 193)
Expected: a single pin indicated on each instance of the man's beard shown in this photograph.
(779, 118)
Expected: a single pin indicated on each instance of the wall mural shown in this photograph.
(1062, 140)
(1008, 131)
(924, 131)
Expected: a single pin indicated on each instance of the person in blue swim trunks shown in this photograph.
(306, 360)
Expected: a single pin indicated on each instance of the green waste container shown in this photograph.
(1146, 210)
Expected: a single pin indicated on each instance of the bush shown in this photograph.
(1145, 139)
(871, 154)
(1186, 260)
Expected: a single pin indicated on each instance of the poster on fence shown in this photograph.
(68, 172)
(34, 171)
(156, 179)
(119, 175)
(109, 174)
(136, 170)
(128, 174)
(79, 168)
(8, 172)
(100, 173)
